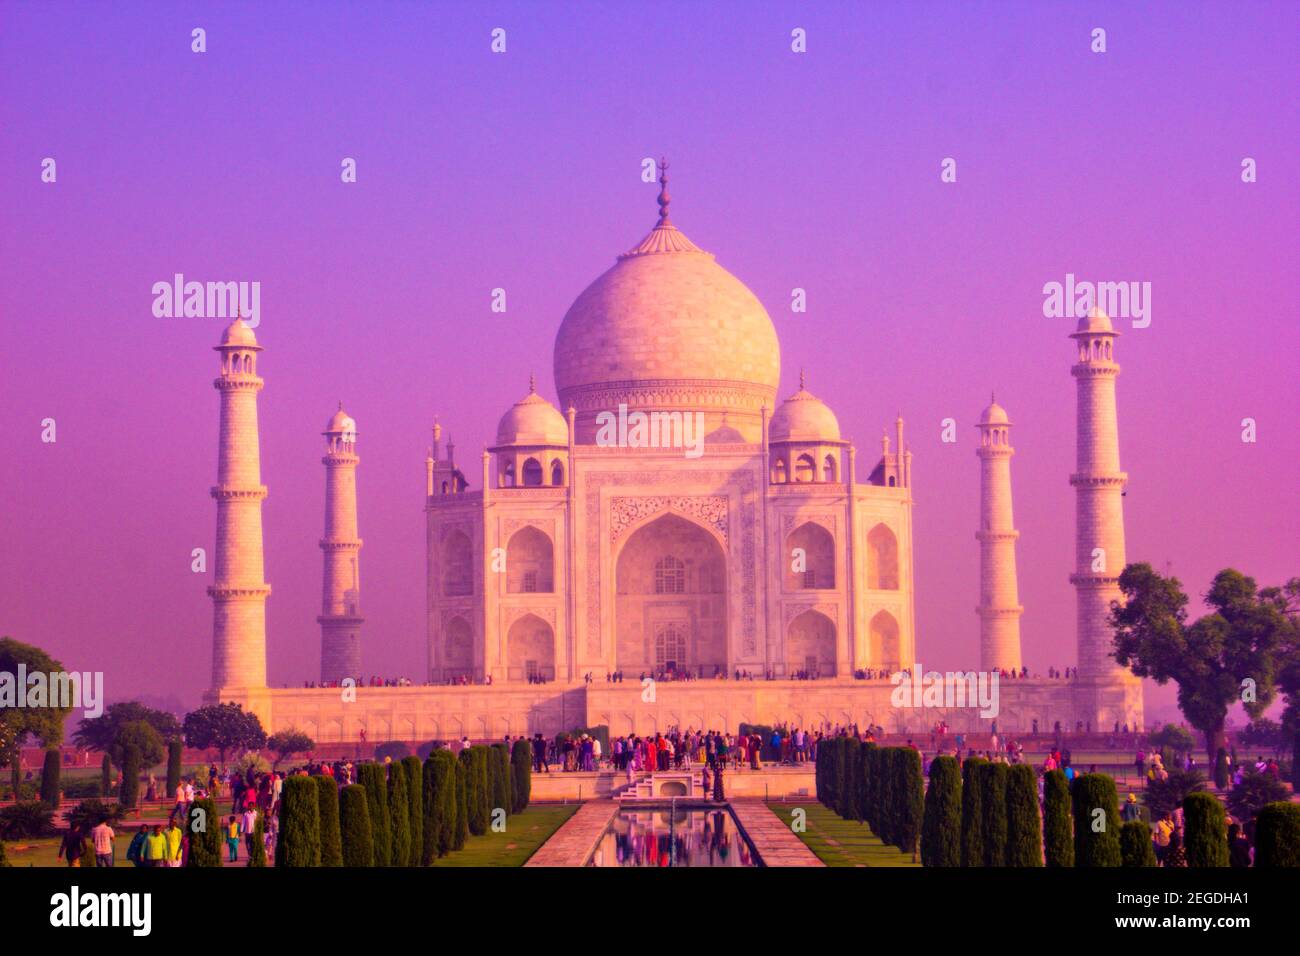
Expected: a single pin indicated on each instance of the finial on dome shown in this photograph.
(802, 379)
(532, 383)
(664, 198)
(993, 398)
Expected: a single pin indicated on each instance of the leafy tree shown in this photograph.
(1277, 836)
(93, 811)
(205, 842)
(331, 839)
(1135, 847)
(358, 833)
(372, 777)
(1235, 646)
(257, 853)
(1255, 791)
(993, 778)
(26, 818)
(393, 750)
(1222, 776)
(941, 825)
(175, 752)
(413, 768)
(50, 771)
(399, 815)
(1096, 821)
(130, 794)
(1263, 734)
(972, 813)
(45, 723)
(140, 736)
(1058, 832)
(1166, 796)
(223, 727)
(98, 733)
(1206, 829)
(1286, 600)
(1172, 737)
(285, 743)
(1024, 824)
(298, 843)
(521, 774)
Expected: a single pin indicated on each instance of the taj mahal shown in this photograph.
(747, 568)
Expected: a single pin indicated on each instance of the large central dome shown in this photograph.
(668, 329)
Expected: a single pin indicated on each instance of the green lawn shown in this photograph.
(524, 833)
(840, 842)
(45, 852)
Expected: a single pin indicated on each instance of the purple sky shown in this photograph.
(521, 170)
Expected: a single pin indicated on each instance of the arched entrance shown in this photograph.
(810, 646)
(530, 650)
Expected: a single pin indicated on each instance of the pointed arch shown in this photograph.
(882, 559)
(809, 558)
(884, 649)
(530, 562)
(530, 649)
(810, 645)
(805, 469)
(457, 565)
(532, 473)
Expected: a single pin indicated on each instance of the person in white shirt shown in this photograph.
(250, 825)
(103, 836)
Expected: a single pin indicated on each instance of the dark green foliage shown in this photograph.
(355, 825)
(413, 767)
(1058, 833)
(1221, 774)
(175, 750)
(257, 853)
(399, 815)
(105, 775)
(1024, 824)
(204, 827)
(141, 735)
(98, 733)
(477, 792)
(1165, 796)
(972, 812)
(1277, 836)
(909, 793)
(4, 860)
(873, 779)
(521, 775)
(461, 833)
(1135, 846)
(1255, 791)
(373, 778)
(441, 805)
(849, 801)
(887, 810)
(862, 785)
(993, 779)
(129, 796)
(50, 778)
(1206, 831)
(1096, 835)
(941, 827)
(391, 748)
(499, 779)
(331, 836)
(93, 812)
(821, 773)
(298, 843)
(28, 818)
(223, 727)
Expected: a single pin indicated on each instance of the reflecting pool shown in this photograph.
(666, 837)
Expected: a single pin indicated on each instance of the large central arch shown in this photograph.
(670, 603)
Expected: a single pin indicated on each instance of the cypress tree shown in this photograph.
(205, 842)
(399, 812)
(972, 813)
(1277, 835)
(888, 797)
(298, 843)
(521, 775)
(355, 826)
(477, 793)
(1024, 823)
(874, 762)
(441, 800)
(413, 768)
(331, 837)
(993, 778)
(461, 833)
(1135, 848)
(1206, 830)
(1221, 774)
(499, 780)
(910, 795)
(849, 800)
(862, 785)
(50, 771)
(1096, 835)
(941, 826)
(105, 776)
(129, 796)
(1058, 834)
(175, 751)
(820, 776)
(372, 777)
(257, 855)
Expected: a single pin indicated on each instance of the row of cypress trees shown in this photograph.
(407, 813)
(879, 786)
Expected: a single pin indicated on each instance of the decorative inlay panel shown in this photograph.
(709, 509)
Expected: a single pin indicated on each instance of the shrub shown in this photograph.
(413, 767)
(257, 853)
(441, 802)
(886, 809)
(993, 779)
(850, 800)
(499, 778)
(941, 827)
(1135, 848)
(1058, 834)
(1096, 835)
(4, 860)
(972, 813)
(372, 777)
(130, 795)
(105, 775)
(1206, 829)
(862, 785)
(399, 815)
(392, 749)
(355, 825)
(203, 825)
(461, 833)
(331, 836)
(1277, 835)
(521, 775)
(909, 793)
(821, 773)
(477, 792)
(1221, 774)
(1024, 824)
(25, 819)
(1255, 791)
(1165, 796)
(50, 778)
(93, 811)
(175, 751)
(298, 844)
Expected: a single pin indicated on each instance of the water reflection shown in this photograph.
(693, 838)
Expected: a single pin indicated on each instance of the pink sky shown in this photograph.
(521, 170)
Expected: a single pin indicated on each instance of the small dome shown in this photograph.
(995, 414)
(340, 421)
(804, 417)
(533, 421)
(1095, 321)
(239, 334)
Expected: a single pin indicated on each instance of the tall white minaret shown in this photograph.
(1098, 487)
(999, 608)
(340, 618)
(239, 591)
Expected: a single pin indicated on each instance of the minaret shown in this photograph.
(1098, 486)
(999, 608)
(239, 591)
(340, 618)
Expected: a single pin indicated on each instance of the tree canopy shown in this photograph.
(286, 743)
(223, 727)
(98, 733)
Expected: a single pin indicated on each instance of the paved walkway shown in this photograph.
(772, 837)
(572, 844)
